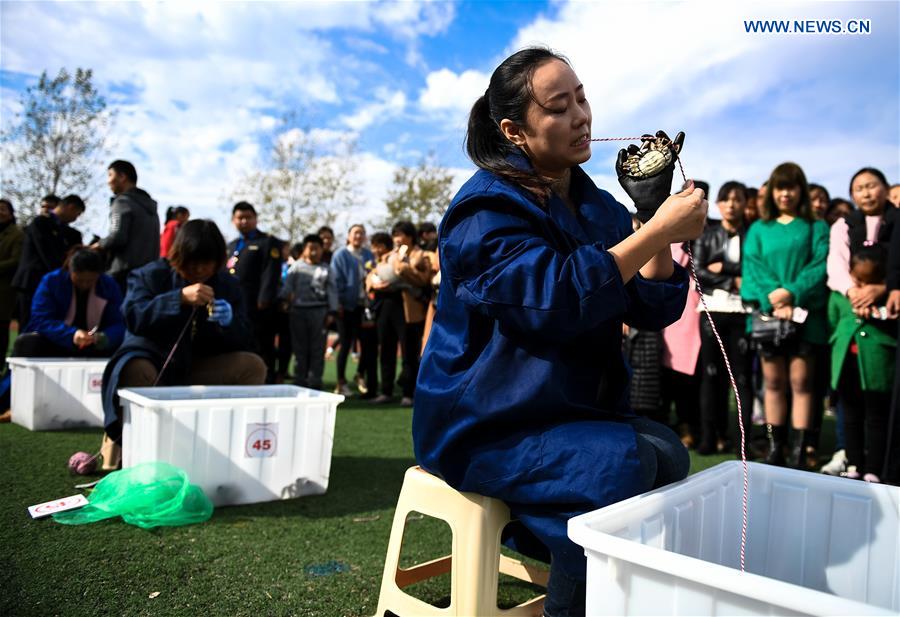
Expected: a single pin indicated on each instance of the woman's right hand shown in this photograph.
(682, 216)
(197, 294)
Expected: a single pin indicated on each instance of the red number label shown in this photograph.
(262, 444)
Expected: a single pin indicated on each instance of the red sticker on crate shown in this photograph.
(262, 440)
(94, 382)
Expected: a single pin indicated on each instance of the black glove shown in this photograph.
(646, 174)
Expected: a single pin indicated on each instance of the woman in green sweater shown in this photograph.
(783, 269)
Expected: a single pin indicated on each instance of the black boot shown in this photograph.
(777, 440)
(798, 452)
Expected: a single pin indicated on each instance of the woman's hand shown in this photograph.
(82, 339)
(780, 298)
(864, 296)
(893, 304)
(197, 294)
(784, 312)
(682, 216)
(715, 267)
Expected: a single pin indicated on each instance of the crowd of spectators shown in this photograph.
(259, 307)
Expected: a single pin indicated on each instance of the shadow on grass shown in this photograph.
(358, 485)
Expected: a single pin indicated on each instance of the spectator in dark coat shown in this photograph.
(255, 259)
(10, 252)
(75, 312)
(133, 238)
(47, 240)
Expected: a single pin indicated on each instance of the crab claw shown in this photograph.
(678, 141)
(633, 149)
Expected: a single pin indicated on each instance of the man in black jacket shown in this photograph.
(254, 257)
(133, 238)
(47, 239)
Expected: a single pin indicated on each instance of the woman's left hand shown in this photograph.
(866, 295)
(781, 297)
(784, 312)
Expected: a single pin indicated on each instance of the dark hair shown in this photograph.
(427, 227)
(9, 205)
(125, 168)
(296, 249)
(787, 175)
(73, 200)
(404, 227)
(172, 212)
(197, 241)
(751, 193)
(869, 170)
(381, 238)
(244, 206)
(837, 201)
(875, 253)
(79, 258)
(507, 97)
(311, 238)
(818, 187)
(51, 199)
(323, 229)
(731, 185)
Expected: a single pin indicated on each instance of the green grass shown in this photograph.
(320, 555)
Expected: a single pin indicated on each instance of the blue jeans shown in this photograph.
(664, 460)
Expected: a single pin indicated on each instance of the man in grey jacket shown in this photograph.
(133, 238)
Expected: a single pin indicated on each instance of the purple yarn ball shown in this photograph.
(82, 463)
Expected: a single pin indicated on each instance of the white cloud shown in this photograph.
(454, 93)
(387, 104)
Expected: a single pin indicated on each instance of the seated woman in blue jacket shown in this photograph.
(189, 299)
(522, 391)
(75, 311)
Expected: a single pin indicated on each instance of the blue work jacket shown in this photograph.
(52, 301)
(523, 386)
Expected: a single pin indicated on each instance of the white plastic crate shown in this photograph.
(56, 393)
(816, 545)
(240, 444)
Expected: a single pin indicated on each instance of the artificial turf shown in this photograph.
(318, 555)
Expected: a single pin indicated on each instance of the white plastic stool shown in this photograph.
(474, 563)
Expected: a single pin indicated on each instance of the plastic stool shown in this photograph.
(475, 562)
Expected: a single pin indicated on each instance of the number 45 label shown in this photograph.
(262, 440)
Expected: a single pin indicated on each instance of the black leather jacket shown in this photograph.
(710, 248)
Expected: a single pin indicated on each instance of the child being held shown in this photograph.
(863, 348)
(310, 291)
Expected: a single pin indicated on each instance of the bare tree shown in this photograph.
(57, 141)
(420, 193)
(303, 186)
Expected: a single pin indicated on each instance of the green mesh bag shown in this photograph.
(146, 495)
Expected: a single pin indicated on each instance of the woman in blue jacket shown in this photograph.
(75, 311)
(522, 392)
(186, 325)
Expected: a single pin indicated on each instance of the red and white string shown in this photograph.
(745, 496)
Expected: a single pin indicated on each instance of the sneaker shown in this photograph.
(837, 464)
(871, 477)
(381, 399)
(329, 352)
(361, 384)
(851, 473)
(343, 389)
(406, 402)
(759, 414)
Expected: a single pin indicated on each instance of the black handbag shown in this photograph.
(769, 330)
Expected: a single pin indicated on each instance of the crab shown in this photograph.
(655, 154)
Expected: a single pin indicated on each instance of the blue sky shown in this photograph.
(198, 86)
